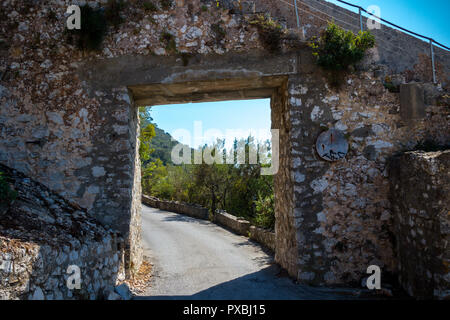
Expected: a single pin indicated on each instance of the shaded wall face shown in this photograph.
(420, 186)
(285, 230)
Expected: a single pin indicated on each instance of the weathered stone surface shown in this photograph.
(264, 237)
(412, 104)
(420, 188)
(191, 210)
(236, 224)
(123, 291)
(41, 235)
(69, 120)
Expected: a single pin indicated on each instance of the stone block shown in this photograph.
(412, 105)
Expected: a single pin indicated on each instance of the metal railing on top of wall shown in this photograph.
(361, 25)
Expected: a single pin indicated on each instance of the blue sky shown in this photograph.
(253, 115)
(429, 18)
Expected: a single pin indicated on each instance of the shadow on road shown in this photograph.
(181, 218)
(266, 284)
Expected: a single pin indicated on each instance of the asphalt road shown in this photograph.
(196, 259)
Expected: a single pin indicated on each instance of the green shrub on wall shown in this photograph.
(337, 49)
(269, 30)
(94, 25)
(265, 212)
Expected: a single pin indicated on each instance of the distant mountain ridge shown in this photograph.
(162, 144)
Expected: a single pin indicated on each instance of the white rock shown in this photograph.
(319, 185)
(321, 217)
(38, 294)
(46, 64)
(316, 113)
(23, 26)
(299, 177)
(98, 172)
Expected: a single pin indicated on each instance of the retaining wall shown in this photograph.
(233, 223)
(42, 235)
(420, 184)
(191, 210)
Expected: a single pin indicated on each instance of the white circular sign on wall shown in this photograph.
(332, 145)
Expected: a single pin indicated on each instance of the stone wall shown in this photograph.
(41, 235)
(420, 188)
(342, 209)
(195, 211)
(243, 227)
(68, 119)
(236, 224)
(399, 52)
(264, 237)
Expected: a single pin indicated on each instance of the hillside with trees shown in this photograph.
(239, 189)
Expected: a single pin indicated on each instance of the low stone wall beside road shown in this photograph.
(233, 223)
(263, 236)
(191, 210)
(244, 227)
(238, 225)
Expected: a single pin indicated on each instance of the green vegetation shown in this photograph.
(388, 84)
(239, 189)
(166, 4)
(269, 30)
(94, 25)
(169, 40)
(150, 6)
(265, 211)
(336, 49)
(218, 31)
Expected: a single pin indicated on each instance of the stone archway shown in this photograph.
(129, 82)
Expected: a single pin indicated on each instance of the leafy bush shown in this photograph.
(169, 40)
(150, 6)
(337, 49)
(6, 193)
(265, 212)
(269, 31)
(219, 32)
(94, 25)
